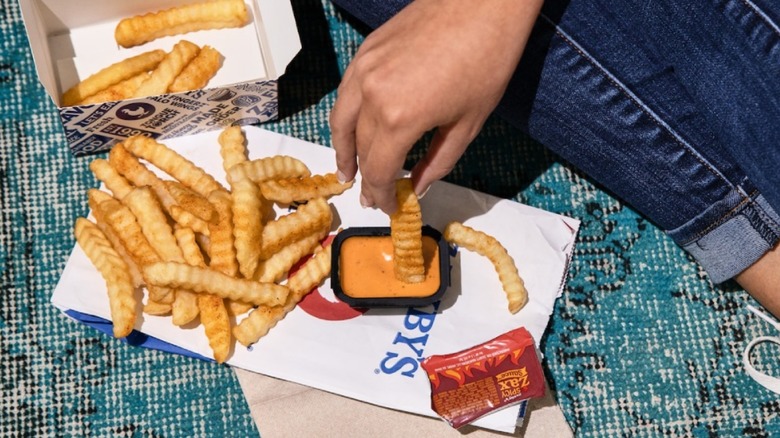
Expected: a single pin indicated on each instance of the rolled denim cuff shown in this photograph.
(732, 234)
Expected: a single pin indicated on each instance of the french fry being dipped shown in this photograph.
(406, 233)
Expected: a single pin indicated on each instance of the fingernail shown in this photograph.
(420, 196)
(341, 177)
(364, 201)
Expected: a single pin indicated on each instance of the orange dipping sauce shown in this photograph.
(366, 269)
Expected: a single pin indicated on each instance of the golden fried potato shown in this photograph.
(406, 233)
(94, 197)
(216, 323)
(222, 252)
(121, 292)
(486, 245)
(314, 215)
(126, 227)
(275, 167)
(115, 182)
(131, 168)
(172, 163)
(168, 69)
(210, 281)
(232, 147)
(154, 224)
(157, 309)
(127, 165)
(190, 250)
(215, 14)
(191, 201)
(111, 75)
(261, 320)
(198, 72)
(287, 190)
(120, 91)
(212, 309)
(247, 220)
(278, 265)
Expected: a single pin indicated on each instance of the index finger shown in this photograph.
(343, 122)
(381, 166)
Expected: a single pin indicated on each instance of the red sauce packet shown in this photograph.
(477, 381)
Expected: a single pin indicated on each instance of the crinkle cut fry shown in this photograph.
(288, 190)
(191, 201)
(218, 14)
(311, 216)
(222, 252)
(198, 72)
(173, 163)
(247, 205)
(205, 280)
(278, 265)
(213, 314)
(120, 91)
(261, 320)
(168, 69)
(106, 174)
(487, 246)
(124, 224)
(268, 168)
(406, 233)
(121, 291)
(94, 198)
(232, 147)
(111, 75)
(131, 168)
(150, 215)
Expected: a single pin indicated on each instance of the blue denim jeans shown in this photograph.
(672, 105)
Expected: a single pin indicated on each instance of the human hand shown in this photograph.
(438, 64)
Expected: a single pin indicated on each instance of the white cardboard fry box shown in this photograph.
(72, 39)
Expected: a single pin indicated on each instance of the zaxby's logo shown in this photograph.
(409, 344)
(322, 303)
(135, 111)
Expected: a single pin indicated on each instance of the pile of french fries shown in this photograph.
(200, 252)
(186, 67)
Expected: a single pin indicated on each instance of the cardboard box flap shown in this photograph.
(73, 39)
(280, 39)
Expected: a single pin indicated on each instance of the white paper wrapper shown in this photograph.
(374, 355)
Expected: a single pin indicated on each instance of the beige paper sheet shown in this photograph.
(283, 409)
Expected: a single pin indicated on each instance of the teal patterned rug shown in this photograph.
(640, 344)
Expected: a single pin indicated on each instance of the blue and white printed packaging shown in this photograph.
(73, 39)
